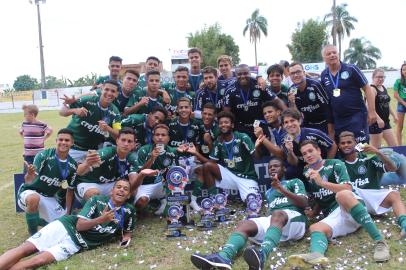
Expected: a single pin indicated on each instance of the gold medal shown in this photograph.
(64, 184)
(231, 163)
(336, 92)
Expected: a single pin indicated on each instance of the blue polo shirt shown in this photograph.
(350, 100)
(313, 103)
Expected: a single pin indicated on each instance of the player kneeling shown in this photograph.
(287, 200)
(101, 219)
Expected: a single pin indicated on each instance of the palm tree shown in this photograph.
(362, 53)
(256, 25)
(343, 23)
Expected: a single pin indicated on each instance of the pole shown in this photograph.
(41, 53)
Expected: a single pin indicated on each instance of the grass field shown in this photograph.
(149, 248)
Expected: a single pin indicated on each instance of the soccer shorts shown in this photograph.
(54, 239)
(49, 208)
(104, 189)
(230, 181)
(373, 199)
(151, 191)
(294, 229)
(341, 223)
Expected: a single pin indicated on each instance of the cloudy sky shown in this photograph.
(80, 35)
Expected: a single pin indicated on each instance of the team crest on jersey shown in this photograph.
(312, 96)
(166, 162)
(236, 149)
(362, 169)
(345, 75)
(256, 93)
(190, 134)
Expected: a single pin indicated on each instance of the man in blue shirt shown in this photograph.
(342, 83)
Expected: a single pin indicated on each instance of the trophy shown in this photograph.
(175, 212)
(220, 201)
(208, 218)
(254, 204)
(178, 201)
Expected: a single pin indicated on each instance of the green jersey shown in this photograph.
(176, 94)
(153, 102)
(213, 131)
(333, 171)
(111, 168)
(183, 133)
(278, 201)
(86, 132)
(236, 155)
(162, 162)
(365, 172)
(100, 233)
(400, 88)
(138, 123)
(50, 172)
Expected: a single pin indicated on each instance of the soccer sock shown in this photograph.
(32, 222)
(402, 221)
(42, 222)
(235, 243)
(360, 214)
(271, 240)
(318, 242)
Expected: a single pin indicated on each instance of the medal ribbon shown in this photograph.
(122, 168)
(229, 153)
(104, 113)
(185, 131)
(213, 100)
(335, 83)
(245, 98)
(117, 215)
(64, 172)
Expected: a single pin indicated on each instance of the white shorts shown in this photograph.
(54, 239)
(373, 199)
(341, 223)
(152, 191)
(49, 208)
(231, 181)
(78, 155)
(291, 231)
(104, 189)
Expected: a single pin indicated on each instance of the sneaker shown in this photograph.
(381, 252)
(161, 208)
(210, 261)
(254, 258)
(301, 260)
(195, 205)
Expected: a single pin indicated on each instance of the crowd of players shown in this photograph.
(125, 134)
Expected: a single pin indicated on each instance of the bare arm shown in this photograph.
(370, 97)
(86, 224)
(69, 201)
(298, 200)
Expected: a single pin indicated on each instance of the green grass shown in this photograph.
(149, 248)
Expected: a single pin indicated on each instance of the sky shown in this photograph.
(80, 35)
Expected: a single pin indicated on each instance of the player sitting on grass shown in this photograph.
(365, 174)
(287, 200)
(344, 212)
(52, 170)
(100, 220)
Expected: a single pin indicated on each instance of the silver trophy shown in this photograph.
(175, 212)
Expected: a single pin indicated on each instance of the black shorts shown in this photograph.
(374, 129)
